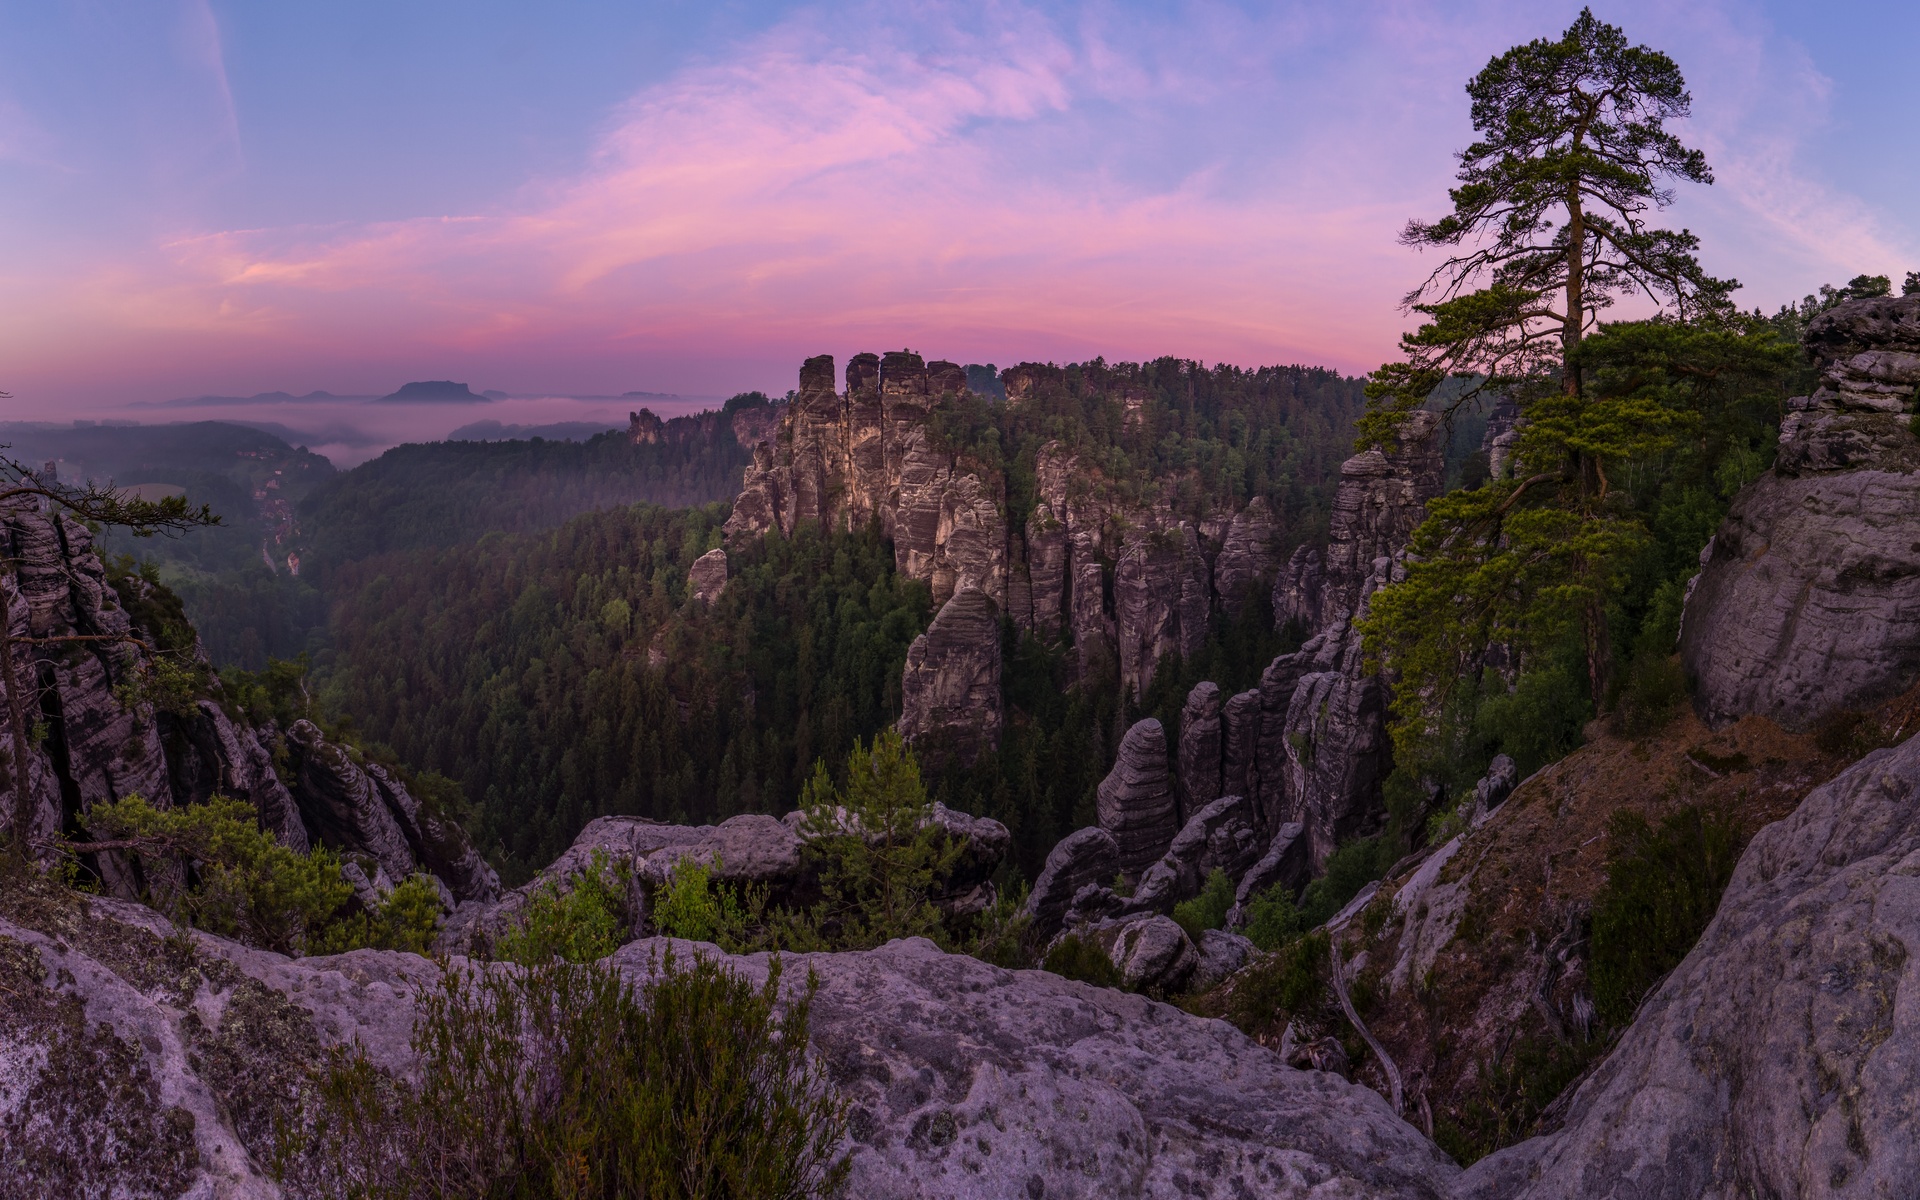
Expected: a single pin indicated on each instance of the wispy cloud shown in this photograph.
(991, 181)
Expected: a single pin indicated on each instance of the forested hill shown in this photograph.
(566, 674)
(439, 494)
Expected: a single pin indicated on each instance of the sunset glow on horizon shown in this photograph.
(685, 203)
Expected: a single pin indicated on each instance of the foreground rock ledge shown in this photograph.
(1780, 1057)
(967, 1080)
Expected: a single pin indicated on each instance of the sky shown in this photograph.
(584, 197)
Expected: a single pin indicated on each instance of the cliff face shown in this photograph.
(1304, 754)
(1122, 580)
(105, 739)
(1808, 598)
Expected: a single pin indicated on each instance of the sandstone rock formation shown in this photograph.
(1085, 857)
(707, 578)
(750, 850)
(1034, 1086)
(1220, 837)
(1808, 600)
(1200, 748)
(950, 689)
(1135, 800)
(1778, 1058)
(106, 741)
(1247, 558)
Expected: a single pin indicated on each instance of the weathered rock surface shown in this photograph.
(1029, 1086)
(950, 689)
(1220, 954)
(1778, 1058)
(1151, 951)
(845, 459)
(1200, 748)
(1286, 861)
(1135, 801)
(1085, 857)
(707, 578)
(106, 743)
(1808, 600)
(1247, 558)
(752, 849)
(1220, 837)
(1161, 600)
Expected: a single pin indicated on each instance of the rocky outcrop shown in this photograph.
(1286, 863)
(1035, 1086)
(1777, 1059)
(1201, 762)
(107, 740)
(1220, 837)
(1161, 600)
(364, 808)
(752, 850)
(1153, 953)
(1085, 857)
(950, 690)
(1382, 497)
(1334, 751)
(707, 578)
(1135, 801)
(1808, 599)
(1247, 558)
(842, 460)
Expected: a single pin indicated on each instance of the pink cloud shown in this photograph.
(967, 191)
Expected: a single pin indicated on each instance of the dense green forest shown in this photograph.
(562, 675)
(439, 494)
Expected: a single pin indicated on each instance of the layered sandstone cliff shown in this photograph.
(108, 735)
(1808, 598)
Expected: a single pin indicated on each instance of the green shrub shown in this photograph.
(1649, 695)
(580, 922)
(879, 852)
(1272, 920)
(691, 907)
(1283, 982)
(1208, 910)
(1541, 719)
(1512, 1091)
(1076, 957)
(246, 885)
(1661, 891)
(1349, 868)
(1003, 935)
(562, 1080)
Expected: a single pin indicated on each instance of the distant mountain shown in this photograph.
(434, 391)
(561, 431)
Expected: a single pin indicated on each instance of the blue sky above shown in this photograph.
(229, 197)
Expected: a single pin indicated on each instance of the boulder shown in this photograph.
(1135, 800)
(950, 689)
(1778, 1058)
(1084, 857)
(1152, 953)
(707, 578)
(1494, 787)
(1219, 955)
